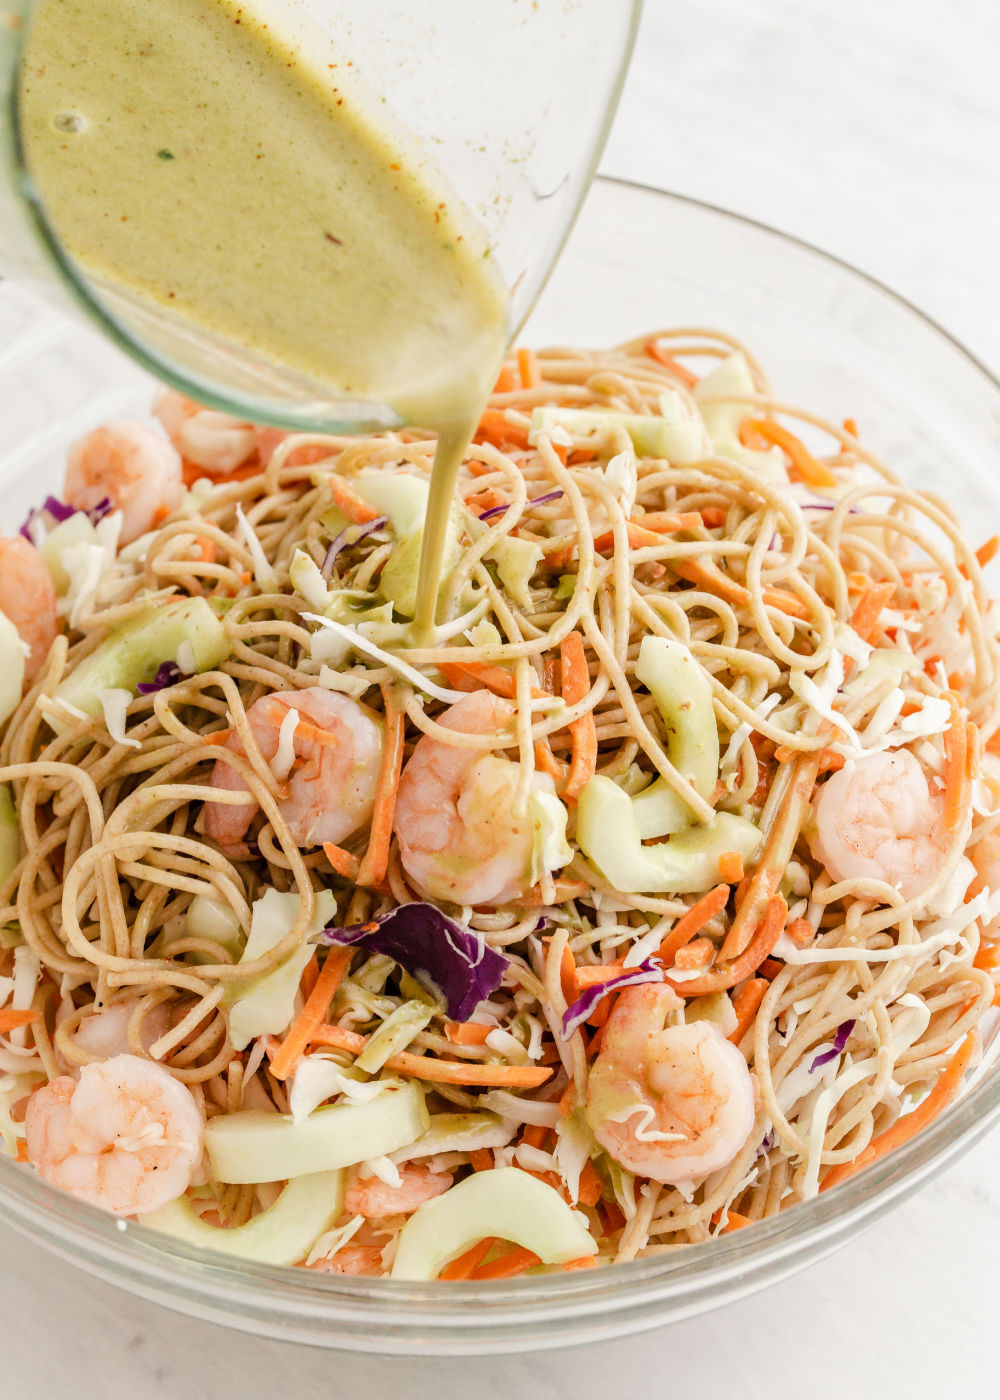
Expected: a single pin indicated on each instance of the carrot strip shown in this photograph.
(304, 1028)
(712, 517)
(481, 1159)
(698, 953)
(869, 607)
(957, 780)
(639, 537)
(734, 1221)
(693, 921)
(746, 1004)
(495, 678)
(509, 1266)
(726, 974)
(850, 426)
(494, 428)
(546, 761)
(988, 551)
(731, 867)
(506, 381)
(464, 1266)
(22, 1152)
(349, 503)
(694, 571)
(375, 862)
(596, 976)
(612, 1216)
(309, 975)
(434, 1070)
(529, 369)
(587, 1261)
(342, 861)
(812, 471)
(591, 1186)
(801, 932)
(207, 549)
(912, 1123)
(583, 732)
(466, 1032)
(534, 1135)
(11, 1020)
(654, 351)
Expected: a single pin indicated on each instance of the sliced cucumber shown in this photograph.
(11, 668)
(688, 863)
(77, 529)
(282, 1234)
(254, 1146)
(132, 653)
(652, 436)
(264, 1005)
(684, 698)
(507, 1203)
(9, 834)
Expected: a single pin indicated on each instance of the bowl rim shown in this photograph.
(477, 1317)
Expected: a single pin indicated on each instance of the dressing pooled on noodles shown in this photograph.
(657, 894)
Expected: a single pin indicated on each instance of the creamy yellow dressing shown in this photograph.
(189, 154)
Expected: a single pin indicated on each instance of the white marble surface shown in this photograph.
(872, 128)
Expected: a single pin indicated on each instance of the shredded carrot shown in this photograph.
(438, 1071)
(349, 503)
(726, 974)
(812, 471)
(693, 922)
(22, 1152)
(466, 1032)
(587, 1261)
(495, 678)
(309, 975)
(850, 426)
(698, 953)
(11, 1020)
(506, 381)
(987, 957)
(494, 428)
(597, 1041)
(731, 867)
(956, 776)
(591, 1186)
(218, 736)
(734, 1221)
(655, 352)
(509, 1266)
(376, 859)
(342, 861)
(467, 1263)
(665, 522)
(694, 571)
(583, 732)
(534, 1135)
(486, 500)
(801, 932)
(869, 607)
(770, 968)
(529, 369)
(911, 1123)
(639, 537)
(988, 551)
(597, 975)
(612, 1216)
(207, 549)
(304, 1027)
(712, 517)
(746, 1003)
(546, 761)
(481, 1159)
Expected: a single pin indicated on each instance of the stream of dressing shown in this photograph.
(202, 156)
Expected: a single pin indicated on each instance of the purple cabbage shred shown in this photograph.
(53, 512)
(168, 673)
(837, 1048)
(538, 501)
(351, 534)
(649, 971)
(444, 956)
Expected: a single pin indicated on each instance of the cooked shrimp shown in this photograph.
(458, 837)
(877, 819)
(130, 465)
(105, 1033)
(673, 1104)
(126, 1136)
(371, 1197)
(328, 765)
(216, 442)
(270, 439)
(28, 600)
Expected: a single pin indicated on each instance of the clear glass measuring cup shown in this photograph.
(510, 100)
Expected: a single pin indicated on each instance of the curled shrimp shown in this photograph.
(371, 1197)
(104, 1034)
(878, 820)
(458, 836)
(28, 600)
(126, 1136)
(132, 467)
(354, 1259)
(328, 763)
(215, 442)
(673, 1103)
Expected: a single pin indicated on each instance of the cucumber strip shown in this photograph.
(9, 834)
(253, 1146)
(282, 1234)
(11, 668)
(507, 1203)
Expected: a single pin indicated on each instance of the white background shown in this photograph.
(872, 128)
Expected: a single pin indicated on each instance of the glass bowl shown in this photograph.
(831, 339)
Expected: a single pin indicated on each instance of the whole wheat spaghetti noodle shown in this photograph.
(664, 878)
